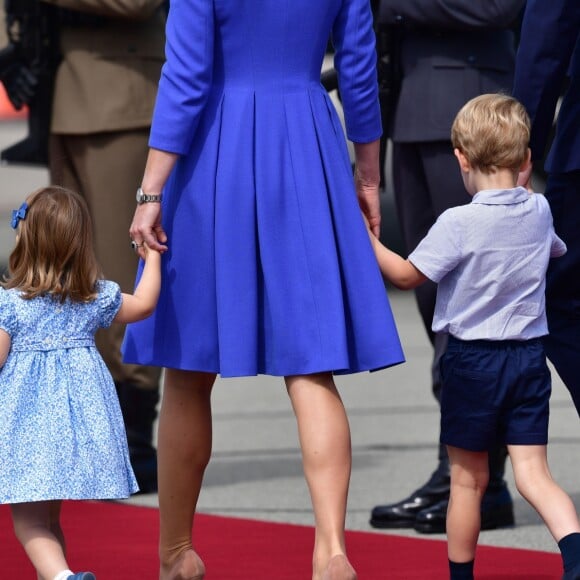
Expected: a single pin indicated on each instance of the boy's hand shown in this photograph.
(372, 236)
(366, 221)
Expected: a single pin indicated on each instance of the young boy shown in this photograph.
(489, 259)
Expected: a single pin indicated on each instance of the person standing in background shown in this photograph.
(549, 57)
(447, 53)
(105, 89)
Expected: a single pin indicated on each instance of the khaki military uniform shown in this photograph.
(104, 95)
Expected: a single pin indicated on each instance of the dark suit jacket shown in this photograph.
(451, 51)
(548, 52)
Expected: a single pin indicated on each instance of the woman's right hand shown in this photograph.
(146, 228)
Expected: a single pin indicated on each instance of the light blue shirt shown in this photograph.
(489, 259)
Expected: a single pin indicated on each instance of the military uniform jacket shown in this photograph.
(107, 79)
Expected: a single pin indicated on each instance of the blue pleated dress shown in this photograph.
(270, 269)
(61, 429)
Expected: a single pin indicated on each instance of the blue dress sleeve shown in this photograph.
(186, 76)
(355, 60)
(7, 313)
(109, 301)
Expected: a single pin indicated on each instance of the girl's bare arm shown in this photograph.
(143, 301)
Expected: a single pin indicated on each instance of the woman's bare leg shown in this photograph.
(183, 452)
(37, 527)
(469, 479)
(324, 436)
(534, 481)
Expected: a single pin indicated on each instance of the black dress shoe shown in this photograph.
(497, 511)
(403, 513)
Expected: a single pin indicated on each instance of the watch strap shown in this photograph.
(143, 197)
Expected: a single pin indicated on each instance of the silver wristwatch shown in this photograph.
(142, 197)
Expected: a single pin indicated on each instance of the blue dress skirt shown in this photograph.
(61, 429)
(270, 269)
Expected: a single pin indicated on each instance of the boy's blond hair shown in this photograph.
(493, 132)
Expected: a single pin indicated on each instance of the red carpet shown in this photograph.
(119, 542)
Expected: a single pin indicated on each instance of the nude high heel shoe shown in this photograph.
(339, 568)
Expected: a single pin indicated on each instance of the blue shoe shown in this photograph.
(82, 576)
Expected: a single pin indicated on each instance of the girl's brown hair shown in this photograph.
(54, 252)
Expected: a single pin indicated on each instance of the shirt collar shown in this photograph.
(501, 196)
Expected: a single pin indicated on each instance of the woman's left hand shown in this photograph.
(369, 202)
(367, 180)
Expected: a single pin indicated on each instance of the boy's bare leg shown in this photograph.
(469, 479)
(535, 484)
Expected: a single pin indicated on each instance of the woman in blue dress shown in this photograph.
(267, 268)
(61, 428)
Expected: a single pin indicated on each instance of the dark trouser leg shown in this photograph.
(563, 282)
(427, 181)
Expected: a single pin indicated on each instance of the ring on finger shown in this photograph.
(135, 245)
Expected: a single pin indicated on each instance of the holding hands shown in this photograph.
(147, 233)
(146, 227)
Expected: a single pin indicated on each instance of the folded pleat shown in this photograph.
(270, 268)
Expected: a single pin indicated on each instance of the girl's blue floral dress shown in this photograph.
(61, 429)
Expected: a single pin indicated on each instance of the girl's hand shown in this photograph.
(149, 253)
(146, 229)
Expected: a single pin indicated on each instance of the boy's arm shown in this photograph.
(142, 302)
(399, 272)
(4, 346)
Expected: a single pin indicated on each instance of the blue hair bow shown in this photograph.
(18, 214)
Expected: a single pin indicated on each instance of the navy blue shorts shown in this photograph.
(494, 392)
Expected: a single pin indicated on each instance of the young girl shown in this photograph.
(61, 428)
